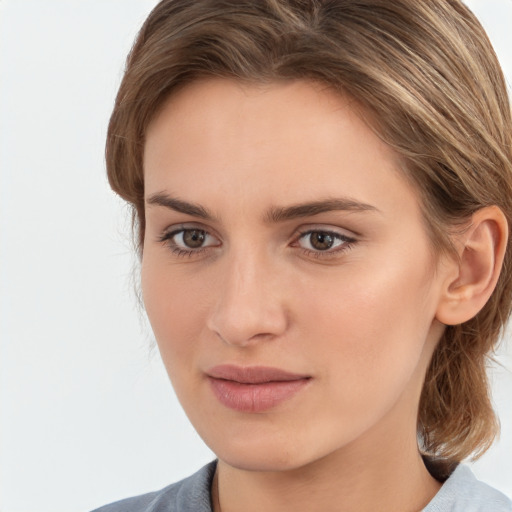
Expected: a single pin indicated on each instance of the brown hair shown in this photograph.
(428, 77)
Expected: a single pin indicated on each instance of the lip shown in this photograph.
(254, 388)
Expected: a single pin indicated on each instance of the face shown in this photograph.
(287, 273)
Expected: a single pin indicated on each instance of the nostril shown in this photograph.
(251, 328)
(244, 341)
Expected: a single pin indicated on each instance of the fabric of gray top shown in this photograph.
(462, 492)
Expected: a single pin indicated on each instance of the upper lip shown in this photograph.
(253, 374)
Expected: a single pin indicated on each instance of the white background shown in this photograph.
(87, 414)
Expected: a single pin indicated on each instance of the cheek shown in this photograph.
(370, 322)
(176, 305)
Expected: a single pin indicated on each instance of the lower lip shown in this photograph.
(255, 397)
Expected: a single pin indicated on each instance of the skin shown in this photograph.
(359, 319)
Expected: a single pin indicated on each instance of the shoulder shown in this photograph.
(189, 495)
(462, 492)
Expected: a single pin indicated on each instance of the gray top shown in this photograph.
(462, 492)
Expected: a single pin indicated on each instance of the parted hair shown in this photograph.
(429, 80)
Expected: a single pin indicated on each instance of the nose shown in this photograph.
(250, 301)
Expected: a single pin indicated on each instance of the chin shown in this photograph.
(263, 461)
(273, 454)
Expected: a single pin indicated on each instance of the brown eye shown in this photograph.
(321, 241)
(329, 242)
(189, 240)
(193, 238)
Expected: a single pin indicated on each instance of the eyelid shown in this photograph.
(185, 226)
(327, 228)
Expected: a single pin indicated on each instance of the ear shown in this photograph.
(472, 277)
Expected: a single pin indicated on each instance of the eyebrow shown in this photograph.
(280, 214)
(274, 214)
(161, 199)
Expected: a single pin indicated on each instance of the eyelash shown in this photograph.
(348, 242)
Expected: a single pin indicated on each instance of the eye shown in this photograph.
(319, 241)
(190, 238)
(189, 241)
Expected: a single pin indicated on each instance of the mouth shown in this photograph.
(255, 388)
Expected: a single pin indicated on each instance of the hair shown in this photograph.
(429, 80)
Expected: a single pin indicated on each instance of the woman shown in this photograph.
(322, 192)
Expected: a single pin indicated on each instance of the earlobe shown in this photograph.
(474, 275)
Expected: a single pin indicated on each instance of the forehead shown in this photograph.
(267, 144)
